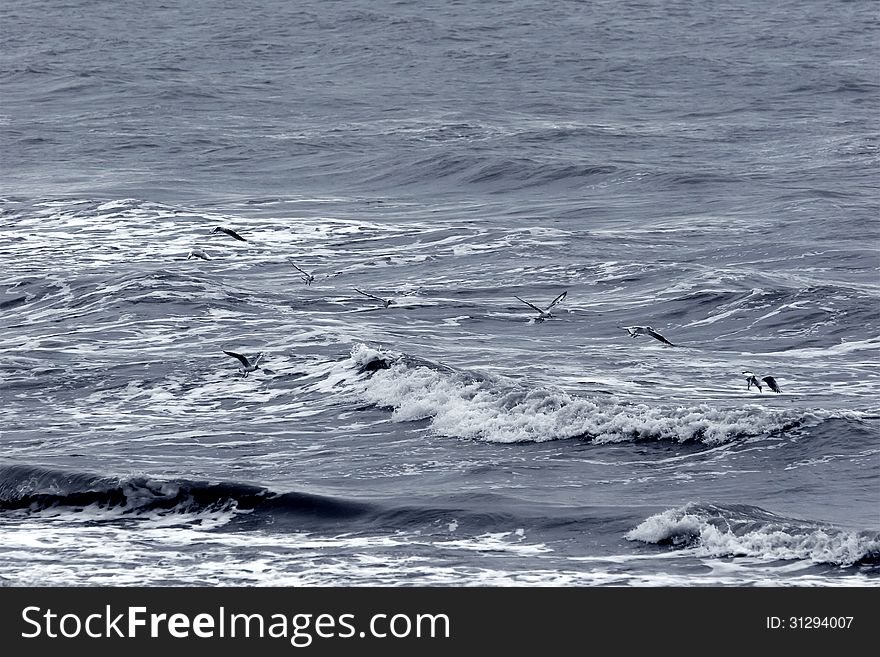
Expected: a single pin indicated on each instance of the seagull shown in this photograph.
(228, 231)
(385, 302)
(645, 330)
(247, 366)
(544, 313)
(198, 253)
(307, 278)
(752, 380)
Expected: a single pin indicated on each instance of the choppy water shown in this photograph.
(709, 171)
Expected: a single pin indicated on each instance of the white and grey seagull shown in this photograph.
(635, 331)
(228, 231)
(752, 380)
(247, 366)
(543, 313)
(198, 253)
(306, 277)
(384, 302)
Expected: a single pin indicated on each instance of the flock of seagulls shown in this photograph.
(246, 365)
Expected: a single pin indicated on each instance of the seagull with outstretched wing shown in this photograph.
(543, 313)
(246, 365)
(384, 302)
(752, 380)
(645, 330)
(306, 277)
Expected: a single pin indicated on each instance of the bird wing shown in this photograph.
(530, 305)
(770, 381)
(230, 232)
(654, 334)
(298, 269)
(557, 300)
(242, 359)
(257, 359)
(372, 296)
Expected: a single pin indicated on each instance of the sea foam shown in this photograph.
(471, 405)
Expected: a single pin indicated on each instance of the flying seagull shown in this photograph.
(198, 253)
(246, 366)
(228, 231)
(544, 313)
(752, 380)
(307, 278)
(645, 330)
(384, 302)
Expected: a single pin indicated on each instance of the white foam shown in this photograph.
(174, 551)
(767, 539)
(498, 409)
(844, 347)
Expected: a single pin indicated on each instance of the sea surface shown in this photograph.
(710, 170)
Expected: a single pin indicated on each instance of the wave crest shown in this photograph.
(475, 406)
(732, 531)
(33, 489)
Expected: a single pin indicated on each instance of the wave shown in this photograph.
(244, 507)
(789, 304)
(40, 300)
(33, 489)
(493, 172)
(742, 530)
(472, 405)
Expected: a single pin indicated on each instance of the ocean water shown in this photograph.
(710, 171)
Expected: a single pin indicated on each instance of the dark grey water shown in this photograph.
(709, 171)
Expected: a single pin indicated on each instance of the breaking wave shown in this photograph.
(741, 530)
(33, 489)
(471, 405)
